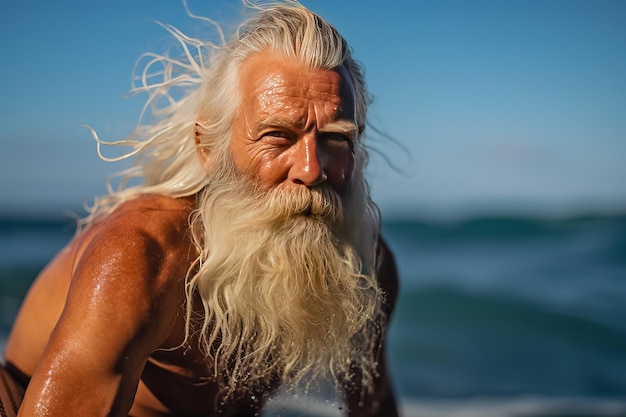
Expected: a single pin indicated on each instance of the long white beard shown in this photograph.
(286, 281)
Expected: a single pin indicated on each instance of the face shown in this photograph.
(295, 126)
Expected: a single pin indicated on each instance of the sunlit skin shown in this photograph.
(296, 126)
(92, 329)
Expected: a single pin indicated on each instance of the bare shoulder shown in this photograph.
(132, 264)
(387, 274)
(150, 229)
(160, 217)
(128, 274)
(140, 249)
(129, 266)
(124, 290)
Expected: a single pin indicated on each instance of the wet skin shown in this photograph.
(297, 127)
(96, 327)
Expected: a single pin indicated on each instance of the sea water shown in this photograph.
(497, 316)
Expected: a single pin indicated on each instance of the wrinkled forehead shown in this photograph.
(272, 82)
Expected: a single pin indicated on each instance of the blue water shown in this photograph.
(498, 316)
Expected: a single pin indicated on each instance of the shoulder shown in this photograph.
(150, 226)
(153, 214)
(124, 299)
(140, 252)
(387, 273)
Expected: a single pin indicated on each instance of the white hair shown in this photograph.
(192, 102)
(203, 84)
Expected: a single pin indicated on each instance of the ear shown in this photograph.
(204, 153)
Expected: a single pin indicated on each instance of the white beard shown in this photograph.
(285, 278)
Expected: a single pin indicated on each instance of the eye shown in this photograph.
(277, 135)
(337, 139)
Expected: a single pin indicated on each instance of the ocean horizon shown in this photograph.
(499, 315)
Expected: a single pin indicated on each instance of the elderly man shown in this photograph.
(248, 258)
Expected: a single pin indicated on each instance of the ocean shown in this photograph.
(498, 316)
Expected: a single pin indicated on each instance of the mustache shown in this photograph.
(280, 203)
(319, 202)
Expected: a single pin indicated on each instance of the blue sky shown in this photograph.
(504, 106)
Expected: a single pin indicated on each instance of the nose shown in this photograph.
(306, 168)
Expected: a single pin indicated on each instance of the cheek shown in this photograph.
(339, 170)
(265, 167)
(269, 172)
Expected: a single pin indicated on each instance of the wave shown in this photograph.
(530, 406)
(491, 307)
(498, 227)
(456, 309)
(450, 342)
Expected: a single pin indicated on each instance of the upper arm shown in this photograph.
(119, 308)
(380, 401)
(387, 274)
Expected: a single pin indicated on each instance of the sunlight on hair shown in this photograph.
(290, 274)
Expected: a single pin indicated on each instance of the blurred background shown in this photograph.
(502, 187)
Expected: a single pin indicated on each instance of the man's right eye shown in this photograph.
(277, 134)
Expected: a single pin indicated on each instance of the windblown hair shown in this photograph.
(247, 327)
(204, 84)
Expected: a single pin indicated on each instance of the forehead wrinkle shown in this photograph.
(304, 89)
(273, 96)
(302, 100)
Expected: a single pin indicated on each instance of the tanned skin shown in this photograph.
(98, 328)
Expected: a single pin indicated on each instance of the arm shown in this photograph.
(120, 307)
(381, 401)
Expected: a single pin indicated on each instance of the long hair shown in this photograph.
(203, 86)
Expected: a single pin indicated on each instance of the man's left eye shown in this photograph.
(337, 140)
(338, 137)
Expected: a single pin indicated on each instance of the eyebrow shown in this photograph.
(342, 126)
(339, 126)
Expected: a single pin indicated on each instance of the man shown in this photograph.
(250, 256)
